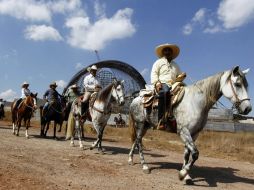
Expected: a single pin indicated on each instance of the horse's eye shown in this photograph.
(238, 85)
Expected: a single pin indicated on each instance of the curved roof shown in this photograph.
(118, 66)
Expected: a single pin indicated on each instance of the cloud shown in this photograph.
(144, 72)
(64, 6)
(235, 13)
(8, 95)
(99, 9)
(30, 10)
(88, 36)
(230, 15)
(42, 33)
(61, 83)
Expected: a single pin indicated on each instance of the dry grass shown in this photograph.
(232, 146)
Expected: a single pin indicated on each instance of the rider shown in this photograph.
(51, 95)
(2, 105)
(71, 94)
(164, 73)
(24, 93)
(91, 84)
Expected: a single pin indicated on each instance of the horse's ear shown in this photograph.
(122, 81)
(35, 94)
(235, 70)
(246, 71)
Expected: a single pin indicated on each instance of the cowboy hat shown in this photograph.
(93, 67)
(53, 84)
(175, 50)
(74, 86)
(24, 84)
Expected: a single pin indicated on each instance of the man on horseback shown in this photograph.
(91, 84)
(51, 95)
(24, 93)
(164, 73)
(71, 94)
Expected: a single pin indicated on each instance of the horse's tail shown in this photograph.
(132, 128)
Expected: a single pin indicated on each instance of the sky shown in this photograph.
(42, 41)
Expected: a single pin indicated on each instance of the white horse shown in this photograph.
(100, 109)
(191, 113)
(78, 122)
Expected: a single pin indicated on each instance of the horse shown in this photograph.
(55, 112)
(23, 112)
(76, 111)
(191, 113)
(100, 108)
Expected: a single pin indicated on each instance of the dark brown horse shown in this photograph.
(24, 112)
(54, 113)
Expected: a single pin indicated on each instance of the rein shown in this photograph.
(238, 101)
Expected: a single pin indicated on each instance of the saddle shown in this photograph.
(149, 95)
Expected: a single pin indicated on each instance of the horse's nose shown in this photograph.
(247, 110)
(122, 103)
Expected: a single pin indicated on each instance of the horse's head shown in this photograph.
(118, 91)
(235, 89)
(32, 101)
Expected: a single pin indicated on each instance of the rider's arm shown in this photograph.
(46, 95)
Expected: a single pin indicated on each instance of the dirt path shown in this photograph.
(38, 163)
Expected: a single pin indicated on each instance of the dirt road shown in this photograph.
(37, 163)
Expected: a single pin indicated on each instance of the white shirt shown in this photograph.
(25, 92)
(164, 71)
(90, 82)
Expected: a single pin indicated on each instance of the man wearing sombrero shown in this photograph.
(24, 93)
(91, 84)
(71, 94)
(164, 73)
(51, 95)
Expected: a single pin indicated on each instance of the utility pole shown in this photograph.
(97, 55)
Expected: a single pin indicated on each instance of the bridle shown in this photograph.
(238, 101)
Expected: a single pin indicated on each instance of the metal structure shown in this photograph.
(107, 70)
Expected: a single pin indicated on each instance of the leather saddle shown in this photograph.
(149, 95)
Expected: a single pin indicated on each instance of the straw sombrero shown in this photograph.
(93, 67)
(74, 86)
(25, 84)
(175, 49)
(53, 84)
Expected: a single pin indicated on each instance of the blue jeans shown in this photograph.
(164, 98)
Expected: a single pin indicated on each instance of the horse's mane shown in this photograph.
(210, 87)
(103, 94)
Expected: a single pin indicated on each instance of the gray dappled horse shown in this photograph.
(100, 110)
(191, 113)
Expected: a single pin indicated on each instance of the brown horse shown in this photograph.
(23, 112)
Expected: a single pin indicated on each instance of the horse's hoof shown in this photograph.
(27, 137)
(188, 180)
(182, 174)
(130, 162)
(91, 148)
(59, 131)
(17, 134)
(72, 145)
(147, 171)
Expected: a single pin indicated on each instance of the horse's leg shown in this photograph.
(27, 125)
(76, 123)
(47, 128)
(100, 135)
(95, 143)
(19, 120)
(54, 131)
(140, 149)
(191, 149)
(79, 125)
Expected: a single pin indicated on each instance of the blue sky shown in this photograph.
(45, 41)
